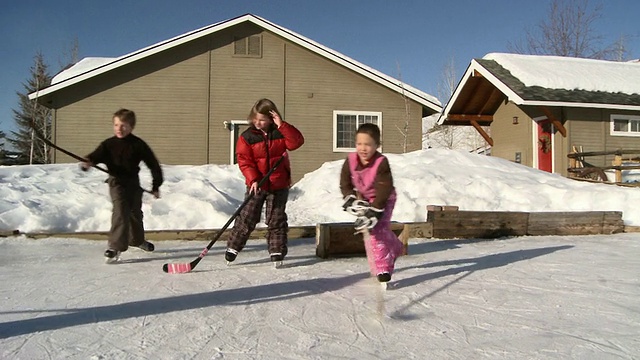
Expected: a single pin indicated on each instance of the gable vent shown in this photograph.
(250, 46)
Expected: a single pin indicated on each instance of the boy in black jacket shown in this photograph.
(122, 154)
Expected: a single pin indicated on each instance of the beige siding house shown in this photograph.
(537, 108)
(192, 95)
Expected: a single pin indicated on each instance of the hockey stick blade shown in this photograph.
(176, 268)
(184, 268)
(188, 267)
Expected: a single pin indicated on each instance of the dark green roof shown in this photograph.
(538, 93)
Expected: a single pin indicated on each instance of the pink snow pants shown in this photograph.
(383, 246)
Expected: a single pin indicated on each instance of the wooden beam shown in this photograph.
(477, 74)
(465, 117)
(484, 135)
(486, 100)
(554, 120)
(468, 92)
(159, 235)
(494, 224)
(340, 240)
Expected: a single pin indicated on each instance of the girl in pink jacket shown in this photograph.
(366, 175)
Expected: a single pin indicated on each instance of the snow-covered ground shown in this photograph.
(551, 297)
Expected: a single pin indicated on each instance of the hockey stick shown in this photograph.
(187, 267)
(79, 158)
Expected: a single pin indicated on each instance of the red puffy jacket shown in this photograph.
(256, 153)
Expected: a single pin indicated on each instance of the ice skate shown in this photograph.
(277, 260)
(146, 246)
(111, 256)
(383, 279)
(230, 255)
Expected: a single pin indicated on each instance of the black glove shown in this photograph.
(354, 206)
(369, 219)
(348, 202)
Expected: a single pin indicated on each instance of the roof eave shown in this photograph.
(580, 105)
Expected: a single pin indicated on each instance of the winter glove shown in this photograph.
(354, 206)
(348, 202)
(369, 219)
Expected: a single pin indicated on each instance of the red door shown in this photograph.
(545, 150)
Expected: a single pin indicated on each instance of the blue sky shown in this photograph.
(410, 39)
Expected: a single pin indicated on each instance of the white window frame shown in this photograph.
(356, 113)
(231, 126)
(629, 118)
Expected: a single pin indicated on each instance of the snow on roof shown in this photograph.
(557, 72)
(82, 66)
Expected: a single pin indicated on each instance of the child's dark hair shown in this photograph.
(370, 129)
(263, 106)
(127, 116)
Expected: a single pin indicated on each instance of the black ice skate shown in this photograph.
(146, 246)
(384, 279)
(230, 255)
(277, 259)
(111, 256)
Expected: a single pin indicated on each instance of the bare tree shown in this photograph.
(2, 154)
(70, 55)
(404, 128)
(569, 30)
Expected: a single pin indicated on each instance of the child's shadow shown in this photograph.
(441, 245)
(474, 264)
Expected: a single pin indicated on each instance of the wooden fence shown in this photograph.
(623, 160)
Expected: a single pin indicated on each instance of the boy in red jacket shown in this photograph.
(257, 150)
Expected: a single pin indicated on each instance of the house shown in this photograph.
(192, 95)
(537, 108)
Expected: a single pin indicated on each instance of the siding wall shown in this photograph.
(170, 105)
(315, 87)
(591, 129)
(508, 139)
(183, 96)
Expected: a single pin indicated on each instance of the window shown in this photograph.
(625, 125)
(345, 124)
(250, 46)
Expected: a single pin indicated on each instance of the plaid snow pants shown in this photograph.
(275, 218)
(126, 216)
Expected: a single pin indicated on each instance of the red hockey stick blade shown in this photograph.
(177, 268)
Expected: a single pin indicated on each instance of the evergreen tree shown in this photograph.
(30, 115)
(2, 153)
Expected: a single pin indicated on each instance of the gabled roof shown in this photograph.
(63, 80)
(538, 80)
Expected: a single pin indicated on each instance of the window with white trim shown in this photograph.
(625, 125)
(345, 125)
